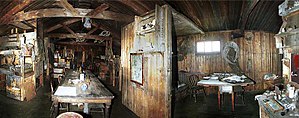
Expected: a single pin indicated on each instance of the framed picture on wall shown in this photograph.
(137, 68)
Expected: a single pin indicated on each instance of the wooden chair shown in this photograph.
(223, 90)
(64, 107)
(234, 91)
(96, 108)
(240, 92)
(194, 89)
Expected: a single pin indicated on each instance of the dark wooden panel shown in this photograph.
(257, 56)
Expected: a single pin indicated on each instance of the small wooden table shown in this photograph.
(97, 93)
(216, 82)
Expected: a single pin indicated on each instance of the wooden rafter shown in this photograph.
(67, 22)
(81, 43)
(92, 31)
(98, 10)
(58, 12)
(105, 27)
(78, 35)
(21, 25)
(69, 30)
(31, 23)
(10, 6)
(69, 7)
(7, 17)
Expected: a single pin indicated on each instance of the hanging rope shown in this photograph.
(228, 55)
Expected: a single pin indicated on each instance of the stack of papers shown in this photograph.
(66, 91)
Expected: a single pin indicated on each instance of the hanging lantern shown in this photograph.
(87, 23)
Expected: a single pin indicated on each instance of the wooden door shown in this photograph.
(148, 96)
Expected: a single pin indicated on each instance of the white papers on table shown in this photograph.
(66, 91)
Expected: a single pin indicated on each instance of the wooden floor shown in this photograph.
(208, 107)
(39, 107)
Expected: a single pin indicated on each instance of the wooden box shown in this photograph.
(2, 81)
(13, 89)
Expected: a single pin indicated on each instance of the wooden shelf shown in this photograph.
(292, 32)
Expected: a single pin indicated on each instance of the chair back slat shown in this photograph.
(193, 79)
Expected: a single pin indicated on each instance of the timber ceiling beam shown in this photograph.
(58, 12)
(113, 31)
(78, 35)
(102, 26)
(5, 19)
(69, 7)
(31, 23)
(70, 30)
(68, 22)
(98, 10)
(80, 43)
(245, 16)
(92, 31)
(21, 25)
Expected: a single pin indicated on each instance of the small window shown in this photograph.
(208, 47)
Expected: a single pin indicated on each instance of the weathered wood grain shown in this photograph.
(78, 35)
(98, 10)
(67, 22)
(58, 12)
(152, 99)
(257, 56)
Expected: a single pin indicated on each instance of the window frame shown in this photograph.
(208, 53)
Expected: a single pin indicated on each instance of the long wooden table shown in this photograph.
(96, 92)
(216, 82)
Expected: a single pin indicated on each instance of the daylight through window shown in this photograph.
(207, 47)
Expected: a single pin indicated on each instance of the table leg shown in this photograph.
(107, 106)
(219, 100)
(55, 109)
(233, 102)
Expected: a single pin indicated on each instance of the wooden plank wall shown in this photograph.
(257, 56)
(152, 99)
(146, 100)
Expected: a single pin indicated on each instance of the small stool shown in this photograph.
(226, 89)
(69, 115)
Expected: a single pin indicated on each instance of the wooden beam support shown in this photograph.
(80, 43)
(21, 25)
(32, 23)
(98, 10)
(7, 17)
(69, 30)
(57, 26)
(114, 32)
(69, 7)
(78, 35)
(92, 31)
(58, 12)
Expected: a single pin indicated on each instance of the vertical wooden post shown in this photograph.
(83, 57)
(113, 72)
(219, 99)
(233, 101)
